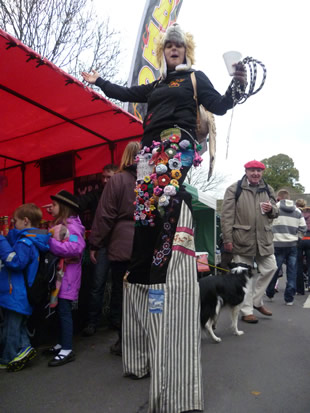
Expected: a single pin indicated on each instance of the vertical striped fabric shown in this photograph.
(167, 343)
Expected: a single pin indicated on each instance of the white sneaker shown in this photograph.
(289, 303)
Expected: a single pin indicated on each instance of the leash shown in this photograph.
(251, 64)
(214, 266)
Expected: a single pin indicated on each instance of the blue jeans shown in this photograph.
(99, 278)
(13, 335)
(286, 255)
(64, 310)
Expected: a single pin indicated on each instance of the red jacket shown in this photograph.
(113, 226)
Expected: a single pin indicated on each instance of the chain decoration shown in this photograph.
(239, 94)
(236, 87)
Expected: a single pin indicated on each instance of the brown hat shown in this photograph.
(66, 198)
(255, 164)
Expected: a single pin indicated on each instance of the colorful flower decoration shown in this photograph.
(176, 174)
(170, 152)
(164, 180)
(197, 159)
(175, 163)
(185, 144)
(175, 183)
(163, 200)
(162, 158)
(174, 146)
(170, 190)
(143, 187)
(147, 179)
(157, 191)
(174, 138)
(161, 169)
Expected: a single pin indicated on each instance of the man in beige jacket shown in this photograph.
(249, 208)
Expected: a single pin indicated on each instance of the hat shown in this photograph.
(174, 33)
(255, 164)
(66, 198)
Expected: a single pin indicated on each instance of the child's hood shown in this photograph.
(39, 237)
(77, 224)
(287, 205)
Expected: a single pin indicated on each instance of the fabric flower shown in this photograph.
(161, 169)
(170, 152)
(163, 200)
(152, 207)
(175, 183)
(162, 158)
(174, 146)
(147, 179)
(176, 174)
(164, 180)
(197, 159)
(170, 190)
(143, 187)
(185, 144)
(174, 138)
(174, 163)
(157, 191)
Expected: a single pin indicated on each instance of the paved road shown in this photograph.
(264, 371)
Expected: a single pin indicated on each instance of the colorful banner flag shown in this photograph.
(158, 15)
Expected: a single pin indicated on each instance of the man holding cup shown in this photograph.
(249, 208)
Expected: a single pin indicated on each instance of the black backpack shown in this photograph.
(45, 280)
(239, 189)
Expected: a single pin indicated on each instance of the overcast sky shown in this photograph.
(274, 121)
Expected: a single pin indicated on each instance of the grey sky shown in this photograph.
(274, 121)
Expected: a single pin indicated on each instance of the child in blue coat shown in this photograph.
(19, 255)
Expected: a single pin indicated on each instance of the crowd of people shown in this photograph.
(142, 233)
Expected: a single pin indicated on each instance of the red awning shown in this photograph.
(45, 111)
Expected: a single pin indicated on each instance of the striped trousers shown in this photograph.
(161, 329)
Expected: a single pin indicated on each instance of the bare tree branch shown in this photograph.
(198, 177)
(66, 32)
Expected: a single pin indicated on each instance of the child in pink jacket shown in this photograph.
(65, 210)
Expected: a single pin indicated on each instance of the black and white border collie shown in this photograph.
(216, 291)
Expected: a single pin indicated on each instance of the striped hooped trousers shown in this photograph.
(161, 329)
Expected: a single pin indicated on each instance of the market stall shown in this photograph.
(204, 211)
(53, 129)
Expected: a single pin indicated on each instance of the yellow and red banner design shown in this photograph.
(158, 15)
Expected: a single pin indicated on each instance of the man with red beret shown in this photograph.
(249, 208)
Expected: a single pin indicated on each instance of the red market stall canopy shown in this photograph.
(43, 112)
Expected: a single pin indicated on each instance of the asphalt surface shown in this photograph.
(265, 370)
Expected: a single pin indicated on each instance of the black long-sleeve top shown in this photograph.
(170, 101)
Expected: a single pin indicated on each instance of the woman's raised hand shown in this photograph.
(90, 77)
(241, 74)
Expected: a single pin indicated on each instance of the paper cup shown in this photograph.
(230, 59)
(261, 208)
